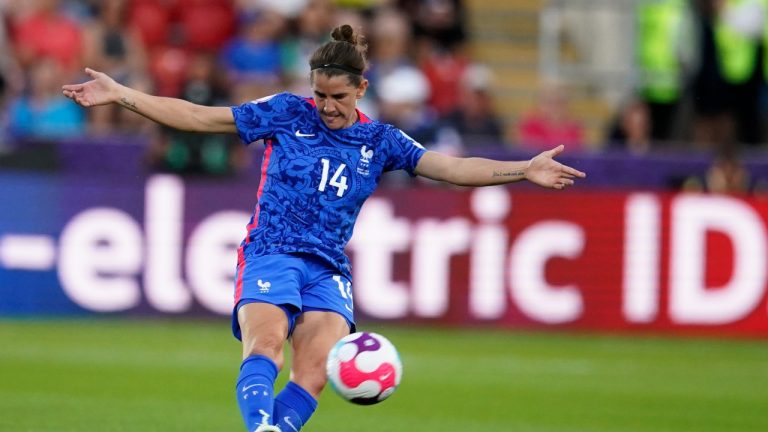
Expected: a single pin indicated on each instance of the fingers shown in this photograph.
(77, 98)
(551, 173)
(563, 181)
(71, 94)
(573, 172)
(91, 73)
(565, 169)
(556, 151)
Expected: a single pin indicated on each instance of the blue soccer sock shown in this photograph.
(256, 390)
(293, 407)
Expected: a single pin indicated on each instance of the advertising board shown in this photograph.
(503, 256)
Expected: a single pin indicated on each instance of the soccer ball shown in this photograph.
(364, 368)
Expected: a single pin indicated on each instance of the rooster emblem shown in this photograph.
(363, 167)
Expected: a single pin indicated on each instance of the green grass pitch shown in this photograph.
(157, 375)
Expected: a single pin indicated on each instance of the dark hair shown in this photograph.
(344, 55)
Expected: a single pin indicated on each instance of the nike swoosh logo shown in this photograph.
(383, 377)
(245, 389)
(287, 421)
(303, 135)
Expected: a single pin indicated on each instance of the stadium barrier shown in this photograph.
(502, 256)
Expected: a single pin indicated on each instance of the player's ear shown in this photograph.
(361, 89)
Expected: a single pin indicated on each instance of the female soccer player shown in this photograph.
(323, 158)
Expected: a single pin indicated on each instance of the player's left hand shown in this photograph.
(544, 171)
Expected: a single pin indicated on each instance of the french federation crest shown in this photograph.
(364, 166)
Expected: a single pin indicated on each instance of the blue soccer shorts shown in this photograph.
(296, 283)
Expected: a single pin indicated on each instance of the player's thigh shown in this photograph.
(267, 302)
(315, 334)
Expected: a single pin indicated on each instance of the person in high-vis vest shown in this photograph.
(664, 41)
(741, 33)
(731, 78)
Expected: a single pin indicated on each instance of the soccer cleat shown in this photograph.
(267, 428)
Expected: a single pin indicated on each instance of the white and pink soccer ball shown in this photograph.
(364, 368)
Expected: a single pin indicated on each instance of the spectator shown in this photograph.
(43, 113)
(727, 175)
(252, 59)
(438, 25)
(313, 25)
(152, 20)
(475, 118)
(47, 34)
(110, 45)
(438, 29)
(390, 41)
(190, 153)
(403, 94)
(444, 69)
(550, 122)
(663, 49)
(206, 25)
(730, 78)
(632, 129)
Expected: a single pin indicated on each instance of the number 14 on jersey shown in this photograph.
(338, 180)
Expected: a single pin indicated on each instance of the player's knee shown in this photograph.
(310, 375)
(267, 345)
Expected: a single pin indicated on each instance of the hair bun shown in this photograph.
(345, 33)
(345, 54)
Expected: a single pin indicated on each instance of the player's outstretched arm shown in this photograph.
(174, 113)
(542, 170)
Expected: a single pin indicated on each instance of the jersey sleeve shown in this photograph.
(257, 119)
(405, 152)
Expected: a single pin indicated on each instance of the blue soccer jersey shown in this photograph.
(314, 180)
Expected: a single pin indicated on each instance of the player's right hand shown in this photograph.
(101, 90)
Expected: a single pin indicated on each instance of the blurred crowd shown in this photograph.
(226, 52)
(702, 69)
(701, 74)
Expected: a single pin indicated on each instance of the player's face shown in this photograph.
(336, 99)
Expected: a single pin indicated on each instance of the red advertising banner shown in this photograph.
(500, 256)
(585, 260)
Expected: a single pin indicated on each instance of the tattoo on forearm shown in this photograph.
(131, 105)
(508, 174)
